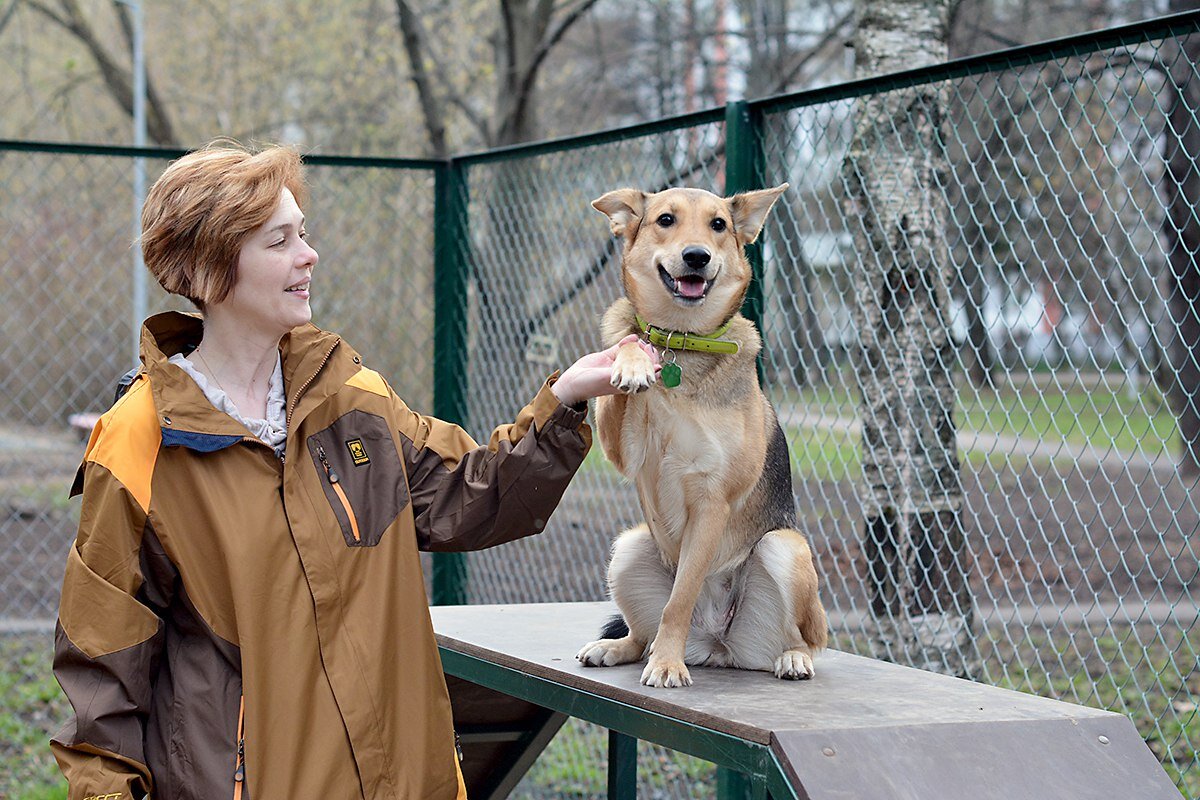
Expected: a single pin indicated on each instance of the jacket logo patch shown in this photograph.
(110, 796)
(358, 452)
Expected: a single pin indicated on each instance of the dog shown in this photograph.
(717, 575)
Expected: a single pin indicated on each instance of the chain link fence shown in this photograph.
(1063, 282)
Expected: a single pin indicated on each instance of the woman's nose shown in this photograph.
(309, 256)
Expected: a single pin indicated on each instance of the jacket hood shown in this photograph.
(315, 364)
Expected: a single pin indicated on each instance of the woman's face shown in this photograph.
(274, 269)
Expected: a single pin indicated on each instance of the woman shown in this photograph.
(243, 613)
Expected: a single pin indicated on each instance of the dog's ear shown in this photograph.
(749, 210)
(624, 209)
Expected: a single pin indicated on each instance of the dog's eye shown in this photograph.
(717, 224)
(666, 220)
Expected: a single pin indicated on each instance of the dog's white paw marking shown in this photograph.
(794, 665)
(609, 652)
(632, 376)
(666, 674)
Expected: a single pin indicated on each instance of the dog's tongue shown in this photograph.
(690, 287)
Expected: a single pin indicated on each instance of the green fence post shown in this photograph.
(451, 265)
(745, 169)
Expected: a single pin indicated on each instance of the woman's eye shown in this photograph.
(304, 235)
(666, 220)
(718, 224)
(279, 243)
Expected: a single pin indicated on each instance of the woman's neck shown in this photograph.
(240, 361)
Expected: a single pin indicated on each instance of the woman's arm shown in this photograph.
(106, 640)
(467, 497)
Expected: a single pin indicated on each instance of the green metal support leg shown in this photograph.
(622, 766)
(734, 785)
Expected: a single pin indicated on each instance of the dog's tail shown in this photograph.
(615, 628)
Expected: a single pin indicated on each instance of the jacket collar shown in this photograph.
(316, 364)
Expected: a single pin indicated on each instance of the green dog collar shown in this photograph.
(672, 340)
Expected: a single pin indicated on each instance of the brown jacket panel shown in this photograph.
(463, 496)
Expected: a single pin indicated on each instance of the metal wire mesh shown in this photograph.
(1077, 523)
(1056, 286)
(1075, 558)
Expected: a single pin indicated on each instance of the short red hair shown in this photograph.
(199, 212)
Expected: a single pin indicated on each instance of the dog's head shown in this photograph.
(684, 264)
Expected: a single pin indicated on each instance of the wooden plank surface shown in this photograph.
(860, 723)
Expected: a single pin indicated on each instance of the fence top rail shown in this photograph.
(607, 136)
(167, 153)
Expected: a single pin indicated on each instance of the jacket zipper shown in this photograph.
(239, 767)
(307, 383)
(337, 489)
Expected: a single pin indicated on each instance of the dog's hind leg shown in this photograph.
(780, 623)
(640, 585)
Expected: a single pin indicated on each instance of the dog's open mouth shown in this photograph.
(689, 288)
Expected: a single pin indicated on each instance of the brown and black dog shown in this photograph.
(716, 575)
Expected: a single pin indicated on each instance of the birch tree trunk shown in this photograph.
(921, 609)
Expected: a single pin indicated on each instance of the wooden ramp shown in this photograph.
(860, 729)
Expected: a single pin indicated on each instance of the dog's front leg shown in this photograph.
(707, 521)
(633, 369)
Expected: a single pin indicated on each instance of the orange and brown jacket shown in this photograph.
(234, 624)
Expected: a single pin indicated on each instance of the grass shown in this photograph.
(1102, 417)
(1105, 419)
(576, 762)
(1148, 674)
(33, 707)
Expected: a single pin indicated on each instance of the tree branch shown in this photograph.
(47, 12)
(413, 31)
(435, 123)
(117, 79)
(7, 14)
(834, 32)
(548, 43)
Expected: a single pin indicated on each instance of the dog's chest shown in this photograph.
(686, 437)
(683, 454)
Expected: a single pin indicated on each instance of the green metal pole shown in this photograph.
(734, 785)
(622, 766)
(745, 170)
(451, 264)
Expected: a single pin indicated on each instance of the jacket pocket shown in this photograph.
(361, 475)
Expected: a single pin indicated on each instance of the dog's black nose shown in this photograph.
(696, 257)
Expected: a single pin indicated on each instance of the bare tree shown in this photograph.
(921, 608)
(116, 75)
(526, 33)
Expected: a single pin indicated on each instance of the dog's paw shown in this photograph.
(609, 652)
(634, 373)
(666, 674)
(794, 665)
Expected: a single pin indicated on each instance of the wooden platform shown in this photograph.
(861, 728)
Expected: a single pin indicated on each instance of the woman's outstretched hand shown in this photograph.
(591, 375)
